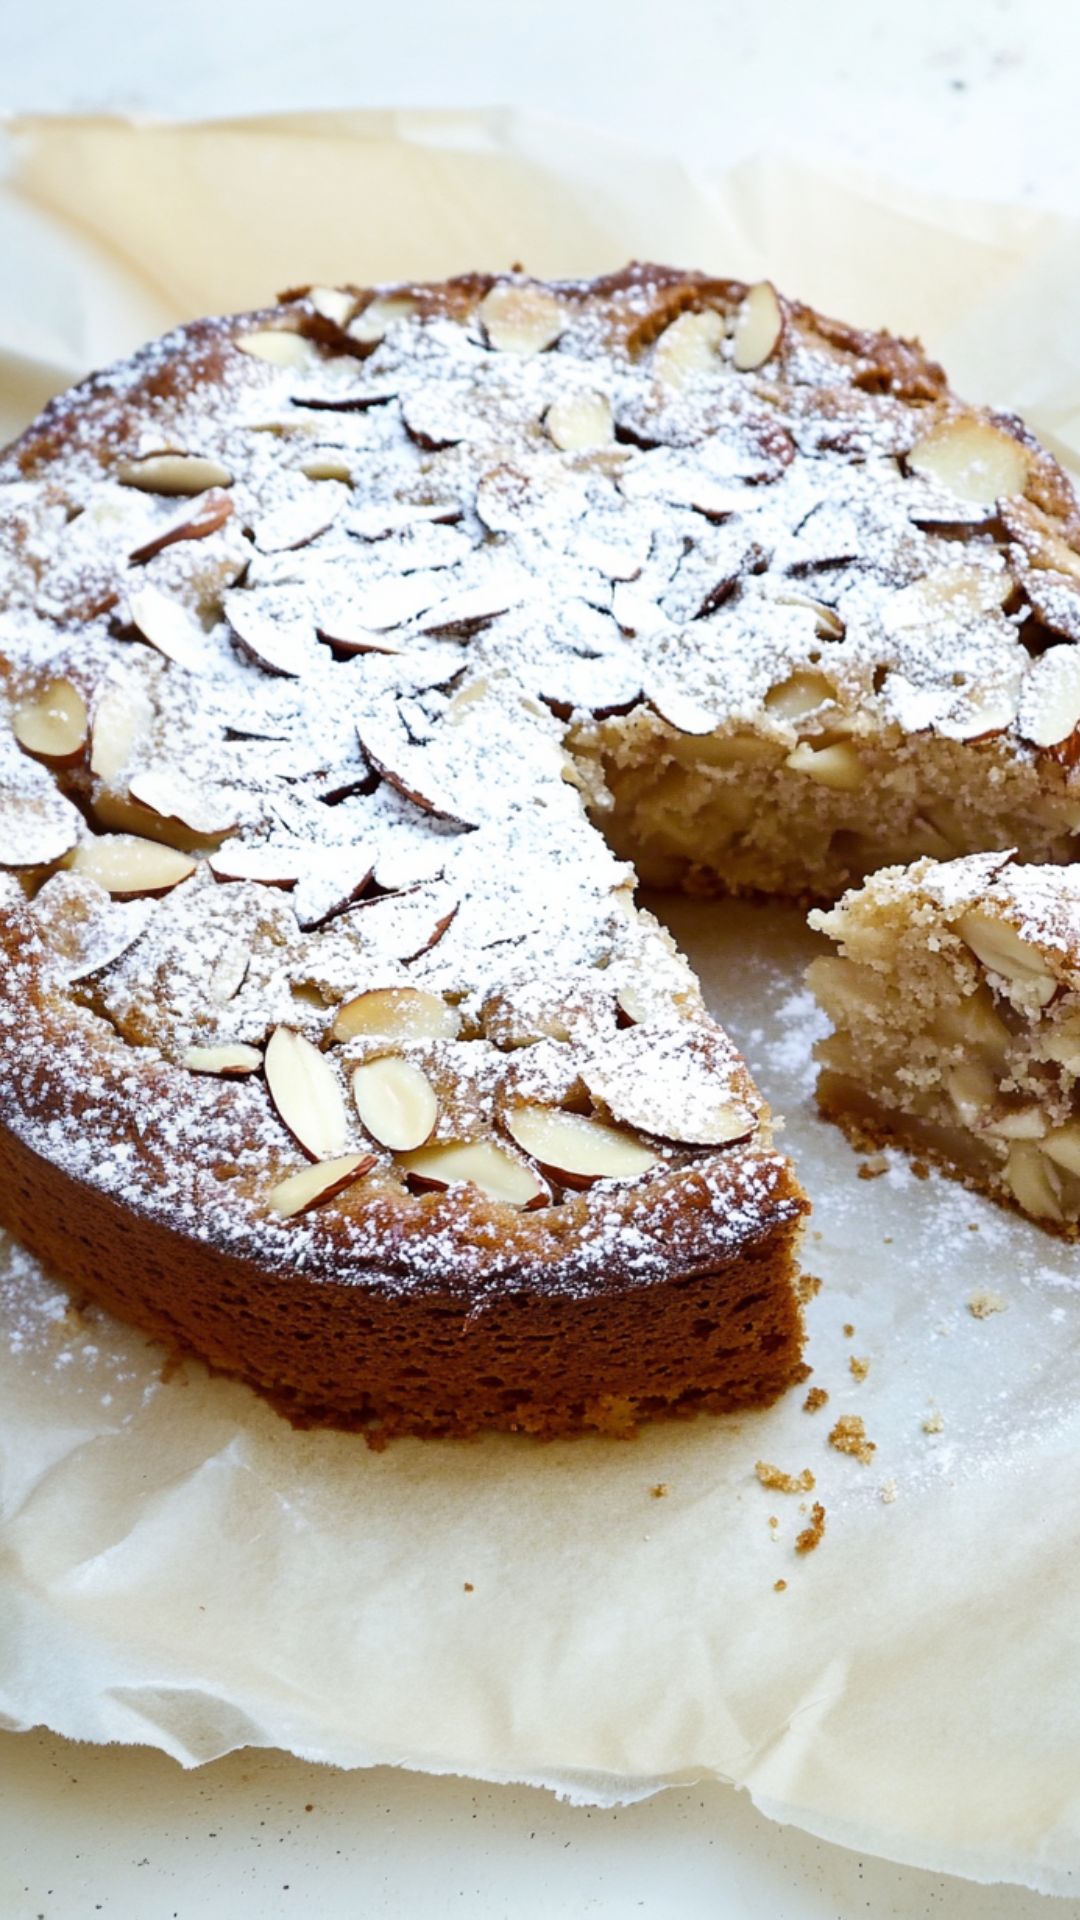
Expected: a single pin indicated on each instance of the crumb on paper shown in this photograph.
(973, 1226)
(779, 1586)
(811, 1536)
(469, 1588)
(660, 1491)
(888, 1492)
(933, 1423)
(815, 1400)
(781, 1482)
(849, 1331)
(873, 1168)
(920, 1169)
(849, 1436)
(887, 1241)
(774, 1521)
(807, 1286)
(859, 1368)
(984, 1303)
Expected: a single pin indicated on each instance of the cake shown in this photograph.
(955, 1002)
(359, 655)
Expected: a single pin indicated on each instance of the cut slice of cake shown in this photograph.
(955, 1003)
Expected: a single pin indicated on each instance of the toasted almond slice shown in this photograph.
(230, 1062)
(297, 522)
(166, 792)
(311, 1185)
(519, 317)
(37, 826)
(837, 766)
(173, 473)
(279, 346)
(1035, 1182)
(477, 1163)
(1039, 538)
(758, 327)
(207, 516)
(396, 1102)
(342, 629)
(375, 321)
(397, 1013)
(53, 724)
(305, 1092)
(1063, 1146)
(799, 695)
(402, 926)
(230, 970)
(333, 304)
(973, 460)
(277, 642)
(1003, 951)
(169, 627)
(1050, 697)
(576, 1150)
(687, 347)
(130, 868)
(681, 711)
(580, 421)
(122, 715)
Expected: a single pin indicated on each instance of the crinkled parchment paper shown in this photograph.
(181, 1569)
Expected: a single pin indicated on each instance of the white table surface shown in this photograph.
(969, 96)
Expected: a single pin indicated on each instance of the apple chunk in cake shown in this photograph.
(955, 1002)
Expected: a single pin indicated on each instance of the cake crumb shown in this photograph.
(973, 1226)
(779, 1586)
(933, 1423)
(873, 1168)
(888, 1492)
(807, 1287)
(469, 1588)
(984, 1303)
(780, 1482)
(660, 1491)
(859, 1368)
(774, 1521)
(849, 1436)
(811, 1536)
(849, 1331)
(920, 1169)
(815, 1399)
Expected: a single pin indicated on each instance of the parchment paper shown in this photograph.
(179, 1568)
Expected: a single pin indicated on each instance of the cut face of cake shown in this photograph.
(955, 1002)
(351, 651)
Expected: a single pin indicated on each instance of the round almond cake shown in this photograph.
(357, 658)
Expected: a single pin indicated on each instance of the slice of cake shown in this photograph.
(955, 1002)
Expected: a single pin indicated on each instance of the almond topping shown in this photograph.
(1035, 1182)
(121, 716)
(169, 627)
(230, 1062)
(277, 639)
(1050, 697)
(758, 327)
(53, 724)
(306, 1189)
(973, 460)
(165, 792)
(191, 523)
(280, 346)
(37, 826)
(173, 473)
(397, 1013)
(395, 1101)
(579, 422)
(306, 1095)
(687, 347)
(477, 1163)
(576, 1150)
(521, 318)
(377, 318)
(333, 304)
(837, 766)
(129, 867)
(1002, 951)
(1063, 1147)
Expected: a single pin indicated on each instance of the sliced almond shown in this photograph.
(972, 459)
(231, 1063)
(173, 473)
(837, 766)
(1039, 538)
(972, 1089)
(53, 725)
(37, 825)
(576, 1150)
(799, 695)
(333, 304)
(520, 317)
(270, 634)
(1063, 1147)
(308, 1188)
(580, 422)
(304, 1089)
(279, 346)
(122, 715)
(687, 347)
(1003, 951)
(170, 628)
(297, 522)
(375, 321)
(396, 1102)
(397, 1013)
(476, 1163)
(1035, 1182)
(758, 327)
(207, 516)
(166, 793)
(1050, 697)
(402, 926)
(131, 868)
(682, 711)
